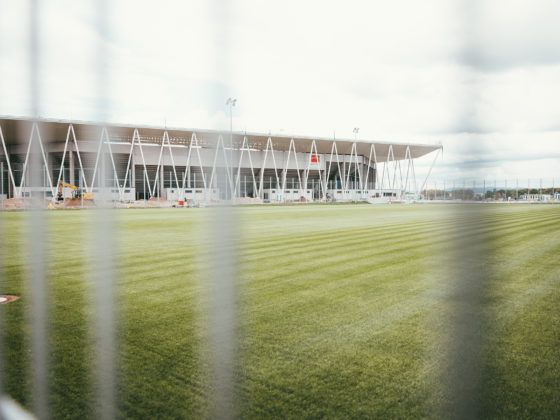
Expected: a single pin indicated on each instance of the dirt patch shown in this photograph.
(25, 203)
(158, 202)
(74, 203)
(247, 200)
(8, 298)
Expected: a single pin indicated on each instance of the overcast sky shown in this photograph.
(481, 77)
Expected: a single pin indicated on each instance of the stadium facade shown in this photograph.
(137, 162)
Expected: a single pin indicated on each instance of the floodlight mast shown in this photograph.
(231, 102)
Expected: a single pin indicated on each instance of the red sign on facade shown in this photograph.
(315, 159)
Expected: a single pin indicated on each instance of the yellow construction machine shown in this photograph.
(76, 192)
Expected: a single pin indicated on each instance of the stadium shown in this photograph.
(328, 310)
(149, 270)
(181, 165)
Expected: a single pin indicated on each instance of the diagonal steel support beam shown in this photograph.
(10, 173)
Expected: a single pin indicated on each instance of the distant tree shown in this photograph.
(461, 194)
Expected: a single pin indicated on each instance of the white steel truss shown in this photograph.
(430, 170)
(10, 173)
(268, 144)
(410, 171)
(244, 145)
(308, 169)
(350, 164)
(340, 173)
(136, 137)
(394, 168)
(35, 129)
(357, 168)
(284, 175)
(225, 165)
(159, 164)
(407, 153)
(371, 151)
(329, 171)
(105, 135)
(82, 173)
(193, 144)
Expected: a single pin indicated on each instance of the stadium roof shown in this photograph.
(17, 129)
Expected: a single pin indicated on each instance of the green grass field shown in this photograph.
(344, 310)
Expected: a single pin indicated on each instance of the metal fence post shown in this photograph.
(2, 182)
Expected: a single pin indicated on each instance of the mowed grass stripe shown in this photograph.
(519, 256)
(388, 233)
(298, 238)
(482, 230)
(341, 294)
(300, 352)
(517, 261)
(332, 327)
(514, 252)
(331, 256)
(523, 358)
(344, 237)
(339, 245)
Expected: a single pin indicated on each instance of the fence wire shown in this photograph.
(38, 281)
(463, 338)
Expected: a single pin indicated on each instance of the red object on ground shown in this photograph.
(181, 202)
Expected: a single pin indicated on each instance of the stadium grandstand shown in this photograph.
(178, 164)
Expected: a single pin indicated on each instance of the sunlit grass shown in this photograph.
(340, 310)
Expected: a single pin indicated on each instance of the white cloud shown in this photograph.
(482, 77)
